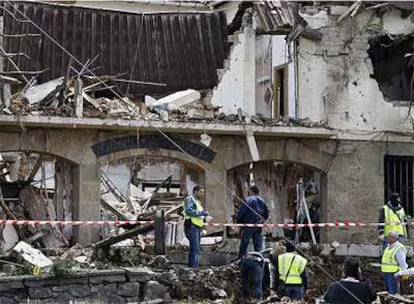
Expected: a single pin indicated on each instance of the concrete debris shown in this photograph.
(32, 255)
(93, 97)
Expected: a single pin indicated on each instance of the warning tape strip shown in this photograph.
(73, 223)
(345, 224)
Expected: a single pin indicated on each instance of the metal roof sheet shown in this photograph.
(181, 50)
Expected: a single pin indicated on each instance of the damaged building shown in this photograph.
(113, 111)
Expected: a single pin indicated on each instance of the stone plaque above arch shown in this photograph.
(153, 141)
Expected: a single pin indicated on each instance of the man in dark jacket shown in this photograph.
(253, 210)
(351, 289)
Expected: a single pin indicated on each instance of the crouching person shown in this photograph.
(290, 274)
(251, 269)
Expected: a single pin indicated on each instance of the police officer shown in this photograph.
(290, 272)
(393, 261)
(393, 216)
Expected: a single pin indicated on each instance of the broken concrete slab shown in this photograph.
(32, 255)
(178, 99)
(37, 93)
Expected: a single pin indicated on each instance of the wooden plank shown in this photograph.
(38, 209)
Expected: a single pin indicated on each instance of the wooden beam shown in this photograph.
(35, 169)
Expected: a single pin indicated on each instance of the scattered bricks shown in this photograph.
(129, 289)
(79, 291)
(107, 276)
(154, 290)
(40, 293)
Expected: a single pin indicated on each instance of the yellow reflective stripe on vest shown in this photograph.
(393, 222)
(196, 220)
(296, 270)
(389, 263)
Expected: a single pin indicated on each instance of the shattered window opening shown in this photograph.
(392, 69)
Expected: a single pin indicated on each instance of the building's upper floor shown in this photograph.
(342, 67)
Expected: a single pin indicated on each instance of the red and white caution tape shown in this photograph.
(73, 223)
(344, 224)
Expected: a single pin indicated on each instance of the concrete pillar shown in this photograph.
(86, 205)
(249, 65)
(216, 194)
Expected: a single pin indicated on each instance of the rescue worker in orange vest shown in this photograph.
(193, 224)
(290, 273)
(393, 216)
(393, 261)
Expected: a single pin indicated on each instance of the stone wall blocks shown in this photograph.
(59, 288)
(139, 274)
(40, 292)
(105, 276)
(154, 290)
(129, 289)
(12, 284)
(79, 291)
(4, 300)
(34, 282)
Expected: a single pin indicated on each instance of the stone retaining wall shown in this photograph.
(128, 285)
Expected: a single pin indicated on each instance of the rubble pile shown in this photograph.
(100, 97)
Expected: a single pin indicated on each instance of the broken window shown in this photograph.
(392, 69)
(398, 177)
(280, 96)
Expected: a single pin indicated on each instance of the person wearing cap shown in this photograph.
(352, 289)
(252, 268)
(392, 215)
(290, 273)
(393, 261)
(194, 214)
(253, 210)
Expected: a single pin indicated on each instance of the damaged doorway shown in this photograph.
(393, 70)
(137, 187)
(35, 187)
(278, 183)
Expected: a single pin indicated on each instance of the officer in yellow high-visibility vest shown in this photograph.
(290, 272)
(193, 225)
(393, 216)
(393, 261)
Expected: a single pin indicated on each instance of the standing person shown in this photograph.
(253, 210)
(393, 261)
(393, 216)
(251, 267)
(352, 289)
(290, 273)
(193, 224)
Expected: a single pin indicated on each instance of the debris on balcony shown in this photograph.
(100, 97)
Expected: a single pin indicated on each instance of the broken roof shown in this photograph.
(179, 50)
